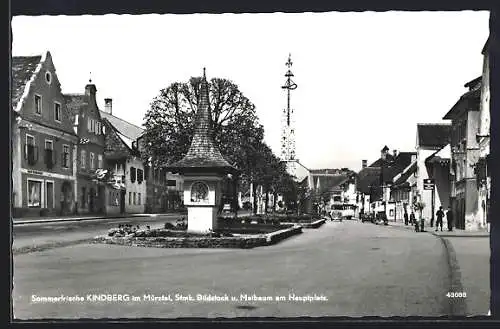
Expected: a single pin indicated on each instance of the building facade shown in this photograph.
(431, 138)
(43, 140)
(124, 160)
(483, 138)
(402, 192)
(464, 116)
(90, 191)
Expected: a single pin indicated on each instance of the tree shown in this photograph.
(169, 122)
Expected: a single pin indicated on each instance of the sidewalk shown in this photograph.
(33, 220)
(469, 257)
(445, 232)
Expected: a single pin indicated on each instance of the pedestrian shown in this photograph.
(417, 227)
(449, 219)
(406, 218)
(439, 219)
(412, 218)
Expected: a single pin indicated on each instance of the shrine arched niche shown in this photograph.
(199, 192)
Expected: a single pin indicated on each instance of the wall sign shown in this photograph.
(428, 184)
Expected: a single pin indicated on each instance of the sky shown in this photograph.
(364, 79)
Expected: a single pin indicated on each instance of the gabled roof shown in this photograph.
(398, 165)
(24, 69)
(328, 182)
(125, 128)
(473, 83)
(410, 170)
(433, 135)
(116, 144)
(381, 162)
(469, 101)
(442, 155)
(371, 178)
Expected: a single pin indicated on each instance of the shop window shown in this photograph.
(135, 198)
(139, 198)
(34, 194)
(129, 198)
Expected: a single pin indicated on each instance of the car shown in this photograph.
(381, 218)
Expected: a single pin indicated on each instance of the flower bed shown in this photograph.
(162, 238)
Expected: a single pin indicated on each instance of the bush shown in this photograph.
(247, 205)
(169, 226)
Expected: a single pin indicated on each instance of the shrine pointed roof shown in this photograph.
(203, 154)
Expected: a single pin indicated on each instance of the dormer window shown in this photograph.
(48, 77)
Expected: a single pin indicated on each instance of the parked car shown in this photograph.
(381, 218)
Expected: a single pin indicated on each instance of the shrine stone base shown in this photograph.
(202, 219)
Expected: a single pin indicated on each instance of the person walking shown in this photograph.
(439, 219)
(449, 219)
(406, 218)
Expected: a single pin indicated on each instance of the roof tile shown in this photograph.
(23, 68)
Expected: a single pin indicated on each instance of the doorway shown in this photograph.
(123, 194)
(92, 200)
(49, 195)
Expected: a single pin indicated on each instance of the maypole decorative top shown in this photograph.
(203, 154)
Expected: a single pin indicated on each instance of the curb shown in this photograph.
(456, 307)
(47, 246)
(315, 224)
(275, 237)
(41, 221)
(485, 235)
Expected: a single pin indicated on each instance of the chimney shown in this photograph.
(108, 105)
(395, 153)
(364, 164)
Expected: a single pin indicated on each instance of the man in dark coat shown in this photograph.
(439, 219)
(450, 219)
(406, 218)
